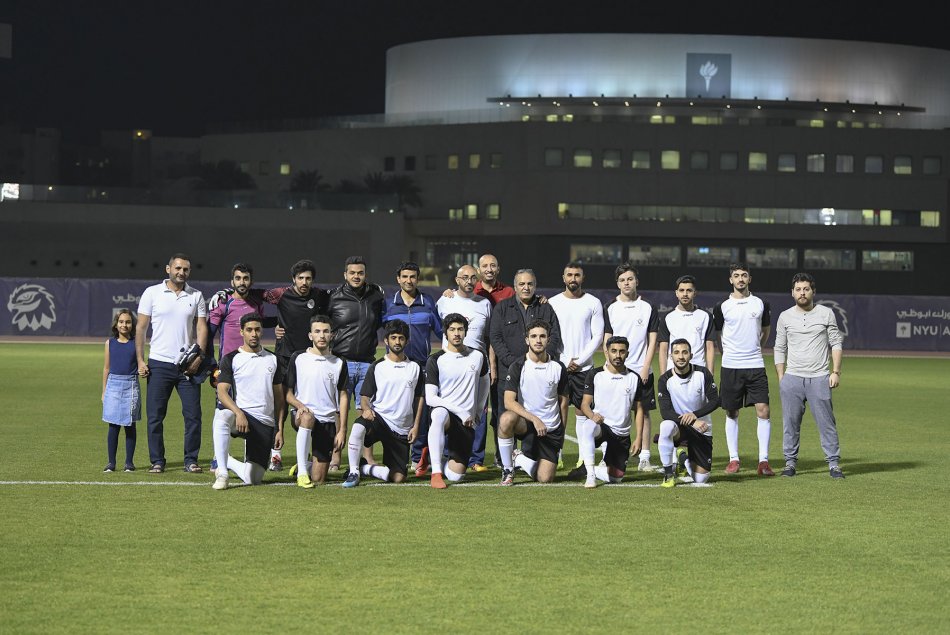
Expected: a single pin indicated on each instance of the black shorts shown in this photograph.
(321, 440)
(546, 447)
(647, 394)
(283, 363)
(575, 386)
(395, 446)
(458, 439)
(741, 387)
(698, 446)
(618, 447)
(258, 441)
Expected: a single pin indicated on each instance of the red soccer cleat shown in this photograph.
(436, 481)
(423, 465)
(765, 469)
(733, 467)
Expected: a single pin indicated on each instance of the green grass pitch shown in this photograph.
(870, 554)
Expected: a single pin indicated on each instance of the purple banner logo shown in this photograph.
(32, 307)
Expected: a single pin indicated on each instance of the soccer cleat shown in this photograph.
(560, 461)
(591, 481)
(680, 467)
(220, 482)
(214, 466)
(765, 469)
(423, 465)
(129, 467)
(733, 466)
(507, 477)
(110, 467)
(352, 480)
(436, 481)
(478, 467)
(789, 470)
(646, 466)
(669, 480)
(579, 473)
(836, 473)
(276, 465)
(304, 481)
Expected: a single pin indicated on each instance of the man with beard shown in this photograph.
(689, 322)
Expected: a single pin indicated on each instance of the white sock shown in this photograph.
(603, 449)
(732, 437)
(255, 474)
(529, 466)
(764, 431)
(354, 447)
(665, 442)
(376, 471)
(437, 438)
(586, 432)
(689, 469)
(505, 447)
(701, 478)
(221, 434)
(303, 449)
(240, 468)
(645, 454)
(453, 476)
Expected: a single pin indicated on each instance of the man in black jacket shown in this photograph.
(507, 329)
(356, 311)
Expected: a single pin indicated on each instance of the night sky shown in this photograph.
(177, 66)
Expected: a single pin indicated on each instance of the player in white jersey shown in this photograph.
(457, 384)
(580, 316)
(688, 396)
(743, 322)
(689, 322)
(316, 386)
(536, 401)
(630, 316)
(612, 391)
(248, 388)
(391, 403)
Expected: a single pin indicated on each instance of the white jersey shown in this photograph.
(694, 326)
(457, 375)
(477, 310)
(740, 322)
(251, 376)
(614, 396)
(316, 382)
(634, 321)
(581, 323)
(537, 386)
(393, 388)
(696, 393)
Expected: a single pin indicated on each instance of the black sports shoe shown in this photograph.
(836, 473)
(110, 467)
(579, 473)
(789, 470)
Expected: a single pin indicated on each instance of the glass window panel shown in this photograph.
(699, 160)
(703, 256)
(758, 161)
(453, 162)
(830, 259)
(930, 219)
(471, 211)
(611, 159)
(787, 162)
(493, 211)
(263, 168)
(389, 164)
(640, 160)
(284, 169)
(553, 157)
(654, 255)
(670, 159)
(728, 161)
(583, 158)
(873, 164)
(455, 213)
(495, 160)
(873, 260)
(903, 165)
(409, 163)
(597, 254)
(931, 166)
(815, 162)
(563, 210)
(844, 163)
(772, 257)
(474, 161)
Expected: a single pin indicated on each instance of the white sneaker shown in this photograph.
(220, 481)
(591, 482)
(646, 466)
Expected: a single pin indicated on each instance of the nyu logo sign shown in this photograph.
(708, 75)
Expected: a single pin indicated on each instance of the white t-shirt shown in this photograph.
(173, 317)
(477, 310)
(581, 323)
(537, 386)
(614, 396)
(634, 321)
(316, 382)
(740, 321)
(251, 376)
(393, 389)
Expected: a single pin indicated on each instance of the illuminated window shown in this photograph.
(567, 118)
(474, 160)
(877, 217)
(662, 119)
(699, 160)
(728, 161)
(816, 123)
(873, 260)
(711, 256)
(553, 157)
(453, 162)
(597, 254)
(563, 211)
(903, 165)
(284, 169)
(704, 120)
(771, 257)
(931, 166)
(493, 211)
(455, 213)
(930, 219)
(611, 159)
(844, 163)
(389, 164)
(815, 162)
(873, 164)
(758, 161)
(471, 211)
(263, 168)
(495, 160)
(787, 162)
(640, 160)
(857, 124)
(830, 259)
(670, 159)
(583, 158)
(654, 255)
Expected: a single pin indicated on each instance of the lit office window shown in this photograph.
(699, 160)
(670, 159)
(453, 162)
(662, 119)
(471, 211)
(816, 123)
(654, 255)
(929, 219)
(877, 217)
(284, 169)
(704, 120)
(728, 161)
(711, 256)
(815, 162)
(474, 161)
(495, 160)
(771, 257)
(640, 160)
(931, 166)
(844, 259)
(611, 159)
(455, 213)
(844, 163)
(758, 161)
(597, 254)
(873, 164)
(563, 210)
(493, 211)
(903, 165)
(787, 162)
(873, 260)
(567, 118)
(553, 157)
(583, 158)
(551, 118)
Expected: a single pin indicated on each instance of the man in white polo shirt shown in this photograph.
(177, 313)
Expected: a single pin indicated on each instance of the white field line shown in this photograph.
(362, 484)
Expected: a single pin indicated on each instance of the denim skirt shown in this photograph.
(123, 401)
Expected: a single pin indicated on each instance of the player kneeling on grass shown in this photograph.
(315, 385)
(688, 396)
(537, 395)
(457, 384)
(247, 389)
(611, 392)
(391, 393)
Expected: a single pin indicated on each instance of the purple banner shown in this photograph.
(85, 308)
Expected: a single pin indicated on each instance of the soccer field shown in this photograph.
(95, 553)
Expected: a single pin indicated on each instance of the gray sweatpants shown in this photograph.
(795, 391)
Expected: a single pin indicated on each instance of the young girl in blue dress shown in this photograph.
(121, 397)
